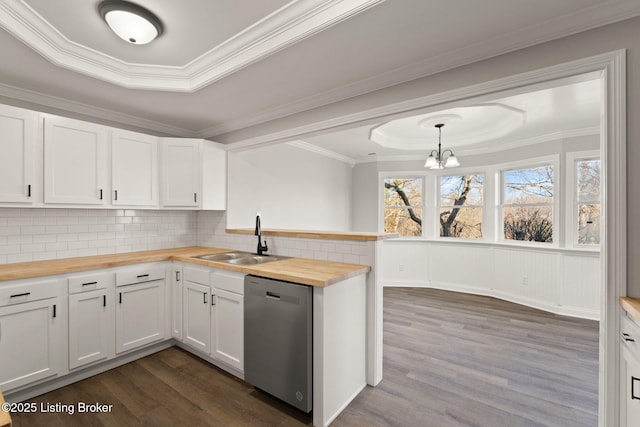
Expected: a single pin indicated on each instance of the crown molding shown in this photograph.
(493, 148)
(286, 26)
(322, 151)
(593, 17)
(37, 98)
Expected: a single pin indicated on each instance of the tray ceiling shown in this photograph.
(213, 73)
(203, 41)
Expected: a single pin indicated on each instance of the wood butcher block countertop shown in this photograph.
(339, 235)
(5, 417)
(631, 306)
(299, 270)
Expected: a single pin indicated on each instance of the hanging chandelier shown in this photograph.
(439, 159)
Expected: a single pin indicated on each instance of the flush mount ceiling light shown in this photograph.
(436, 158)
(130, 22)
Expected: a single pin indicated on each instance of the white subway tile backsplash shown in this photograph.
(37, 234)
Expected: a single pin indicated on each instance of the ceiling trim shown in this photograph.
(286, 26)
(323, 152)
(493, 148)
(563, 73)
(586, 19)
(62, 104)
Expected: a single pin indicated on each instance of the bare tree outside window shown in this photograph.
(588, 201)
(528, 204)
(461, 203)
(403, 206)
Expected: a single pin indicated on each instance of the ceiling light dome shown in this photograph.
(130, 22)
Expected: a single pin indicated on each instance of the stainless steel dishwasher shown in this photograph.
(278, 339)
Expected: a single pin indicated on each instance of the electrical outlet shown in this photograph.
(525, 280)
(401, 267)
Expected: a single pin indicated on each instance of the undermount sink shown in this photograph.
(225, 256)
(239, 258)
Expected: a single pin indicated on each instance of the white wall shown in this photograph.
(561, 281)
(292, 188)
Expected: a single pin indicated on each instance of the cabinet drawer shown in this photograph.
(140, 274)
(27, 292)
(89, 282)
(228, 281)
(197, 275)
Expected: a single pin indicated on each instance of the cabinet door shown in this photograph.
(75, 155)
(630, 388)
(139, 315)
(227, 329)
(176, 303)
(134, 172)
(180, 173)
(90, 327)
(197, 316)
(30, 343)
(18, 133)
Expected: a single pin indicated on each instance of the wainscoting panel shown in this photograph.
(561, 281)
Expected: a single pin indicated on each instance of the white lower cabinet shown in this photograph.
(175, 295)
(196, 309)
(630, 373)
(227, 318)
(95, 316)
(140, 307)
(227, 328)
(31, 333)
(91, 319)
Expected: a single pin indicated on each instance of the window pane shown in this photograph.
(461, 222)
(589, 224)
(401, 221)
(534, 185)
(461, 190)
(403, 192)
(588, 180)
(529, 223)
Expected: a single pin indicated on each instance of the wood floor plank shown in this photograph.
(480, 361)
(450, 360)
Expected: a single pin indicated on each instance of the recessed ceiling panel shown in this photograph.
(191, 27)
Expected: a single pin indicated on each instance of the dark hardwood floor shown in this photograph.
(450, 359)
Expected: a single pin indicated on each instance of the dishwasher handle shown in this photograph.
(272, 295)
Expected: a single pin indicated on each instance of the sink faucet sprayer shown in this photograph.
(261, 248)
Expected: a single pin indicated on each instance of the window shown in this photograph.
(588, 201)
(527, 204)
(460, 206)
(403, 206)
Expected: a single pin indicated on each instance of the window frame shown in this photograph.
(381, 199)
(554, 162)
(460, 172)
(571, 208)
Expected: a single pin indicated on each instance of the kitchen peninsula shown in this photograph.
(46, 291)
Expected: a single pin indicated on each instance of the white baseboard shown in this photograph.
(541, 305)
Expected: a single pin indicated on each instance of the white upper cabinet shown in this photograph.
(75, 162)
(180, 172)
(18, 135)
(134, 171)
(193, 174)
